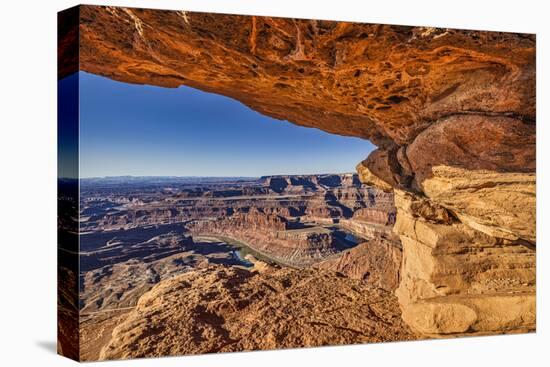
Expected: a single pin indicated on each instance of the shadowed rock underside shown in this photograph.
(452, 113)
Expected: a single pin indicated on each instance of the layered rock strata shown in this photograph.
(366, 230)
(313, 197)
(274, 237)
(456, 279)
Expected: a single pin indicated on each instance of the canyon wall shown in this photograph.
(451, 111)
(377, 262)
(272, 236)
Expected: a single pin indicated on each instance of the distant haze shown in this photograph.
(141, 130)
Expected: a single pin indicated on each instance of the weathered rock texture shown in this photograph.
(229, 309)
(383, 83)
(456, 279)
(378, 262)
(452, 112)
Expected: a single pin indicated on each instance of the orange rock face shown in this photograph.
(387, 84)
(382, 217)
(383, 83)
(475, 142)
(451, 111)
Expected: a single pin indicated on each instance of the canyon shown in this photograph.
(139, 235)
(452, 113)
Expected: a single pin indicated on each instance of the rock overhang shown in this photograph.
(379, 82)
(452, 112)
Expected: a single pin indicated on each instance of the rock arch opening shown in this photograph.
(451, 111)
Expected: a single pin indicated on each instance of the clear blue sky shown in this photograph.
(140, 130)
(67, 127)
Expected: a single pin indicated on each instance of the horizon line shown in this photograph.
(207, 176)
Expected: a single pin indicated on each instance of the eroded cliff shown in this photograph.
(452, 112)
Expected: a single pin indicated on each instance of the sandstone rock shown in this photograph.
(378, 82)
(376, 216)
(499, 204)
(369, 178)
(420, 207)
(258, 264)
(367, 230)
(482, 168)
(472, 315)
(377, 262)
(406, 168)
(384, 165)
(495, 144)
(458, 105)
(440, 318)
(437, 254)
(229, 309)
(456, 279)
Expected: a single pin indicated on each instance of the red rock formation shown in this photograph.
(378, 216)
(452, 112)
(377, 262)
(383, 83)
(322, 197)
(271, 236)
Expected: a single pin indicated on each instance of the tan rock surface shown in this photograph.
(367, 230)
(382, 165)
(483, 169)
(455, 109)
(367, 176)
(418, 206)
(456, 279)
(488, 314)
(230, 309)
(377, 262)
(499, 204)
